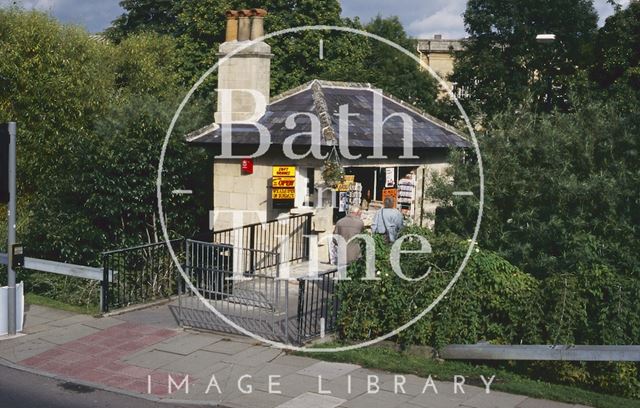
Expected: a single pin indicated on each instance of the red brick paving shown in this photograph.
(96, 358)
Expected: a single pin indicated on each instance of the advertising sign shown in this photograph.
(283, 183)
(390, 179)
(284, 171)
(283, 194)
(346, 182)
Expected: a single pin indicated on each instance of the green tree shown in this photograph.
(392, 70)
(125, 146)
(144, 15)
(617, 56)
(502, 65)
(56, 82)
(200, 26)
(91, 121)
(560, 189)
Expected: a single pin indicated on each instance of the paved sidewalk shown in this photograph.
(145, 353)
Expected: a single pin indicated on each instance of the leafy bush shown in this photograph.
(561, 189)
(492, 301)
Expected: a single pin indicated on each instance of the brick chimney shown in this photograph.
(249, 69)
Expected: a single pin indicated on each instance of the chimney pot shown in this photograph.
(257, 23)
(232, 26)
(244, 25)
(258, 12)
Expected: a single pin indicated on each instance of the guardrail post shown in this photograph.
(104, 287)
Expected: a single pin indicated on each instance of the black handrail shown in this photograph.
(114, 251)
(265, 237)
(275, 220)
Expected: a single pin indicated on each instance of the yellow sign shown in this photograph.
(346, 182)
(284, 182)
(283, 194)
(284, 171)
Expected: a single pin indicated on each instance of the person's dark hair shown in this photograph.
(388, 202)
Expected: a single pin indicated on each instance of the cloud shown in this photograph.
(94, 15)
(446, 21)
(605, 9)
(421, 18)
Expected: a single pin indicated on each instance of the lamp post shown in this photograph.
(547, 39)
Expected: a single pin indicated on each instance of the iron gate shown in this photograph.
(317, 306)
(241, 284)
(235, 271)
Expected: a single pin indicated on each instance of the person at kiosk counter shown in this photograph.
(348, 227)
(388, 221)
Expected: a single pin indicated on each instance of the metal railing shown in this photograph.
(268, 237)
(250, 296)
(139, 274)
(317, 306)
(144, 273)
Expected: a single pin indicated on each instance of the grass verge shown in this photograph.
(33, 299)
(387, 359)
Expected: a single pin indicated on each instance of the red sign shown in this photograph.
(247, 166)
(285, 182)
(390, 193)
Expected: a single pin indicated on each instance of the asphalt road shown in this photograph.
(19, 389)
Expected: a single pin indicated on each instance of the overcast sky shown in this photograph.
(422, 18)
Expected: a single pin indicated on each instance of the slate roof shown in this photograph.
(323, 99)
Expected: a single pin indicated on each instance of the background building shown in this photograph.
(439, 54)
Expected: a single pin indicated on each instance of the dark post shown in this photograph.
(424, 175)
(307, 231)
(301, 287)
(252, 247)
(5, 138)
(9, 132)
(105, 284)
